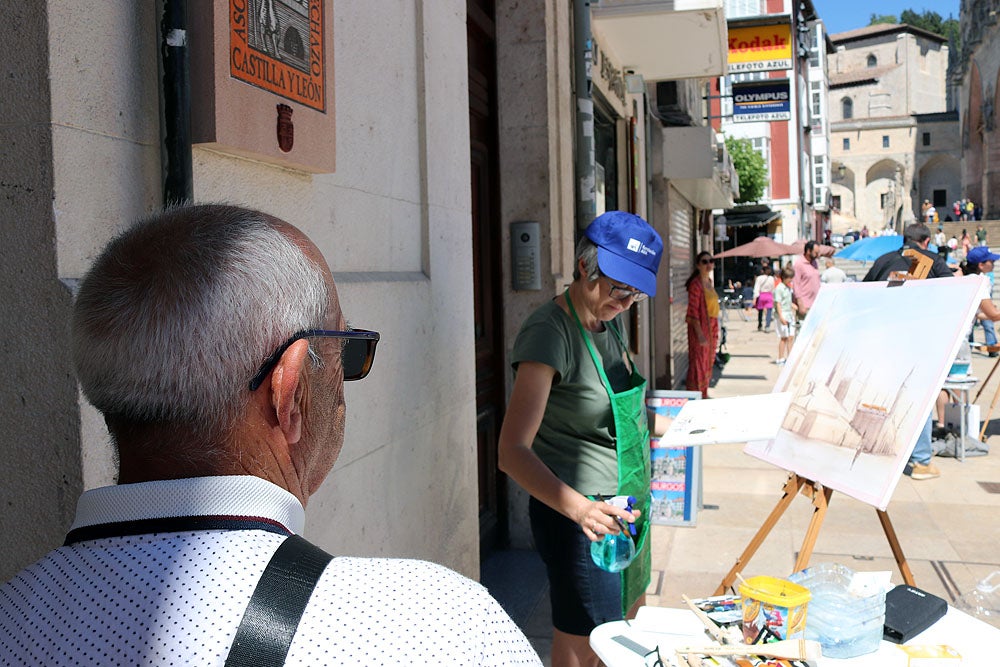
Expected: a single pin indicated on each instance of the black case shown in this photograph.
(909, 611)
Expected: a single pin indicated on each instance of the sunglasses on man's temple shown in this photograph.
(357, 353)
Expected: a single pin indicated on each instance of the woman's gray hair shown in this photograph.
(178, 312)
(587, 251)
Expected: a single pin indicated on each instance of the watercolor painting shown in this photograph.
(863, 375)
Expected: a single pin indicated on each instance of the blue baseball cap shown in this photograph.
(628, 249)
(980, 254)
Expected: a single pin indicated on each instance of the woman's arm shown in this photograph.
(516, 458)
(990, 310)
(658, 423)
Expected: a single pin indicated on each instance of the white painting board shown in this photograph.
(728, 420)
(864, 373)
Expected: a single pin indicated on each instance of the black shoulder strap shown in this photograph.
(277, 604)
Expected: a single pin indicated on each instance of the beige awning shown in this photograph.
(696, 163)
(664, 40)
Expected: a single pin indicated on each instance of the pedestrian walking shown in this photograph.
(763, 297)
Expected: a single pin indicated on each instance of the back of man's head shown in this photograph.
(177, 313)
(808, 248)
(916, 232)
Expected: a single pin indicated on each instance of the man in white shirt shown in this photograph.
(212, 340)
(833, 273)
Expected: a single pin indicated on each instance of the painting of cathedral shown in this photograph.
(863, 376)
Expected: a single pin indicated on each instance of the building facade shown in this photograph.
(978, 79)
(892, 135)
(468, 120)
(785, 138)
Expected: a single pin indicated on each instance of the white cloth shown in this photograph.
(177, 598)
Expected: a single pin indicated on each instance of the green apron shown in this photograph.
(632, 446)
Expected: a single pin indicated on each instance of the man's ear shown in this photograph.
(287, 389)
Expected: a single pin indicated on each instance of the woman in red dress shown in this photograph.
(702, 324)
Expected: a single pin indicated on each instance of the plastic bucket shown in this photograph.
(777, 605)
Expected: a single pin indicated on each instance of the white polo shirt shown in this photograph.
(122, 596)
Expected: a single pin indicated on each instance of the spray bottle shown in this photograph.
(615, 552)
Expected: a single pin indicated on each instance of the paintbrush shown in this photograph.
(789, 649)
(691, 660)
(713, 628)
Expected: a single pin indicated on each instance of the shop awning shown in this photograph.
(664, 40)
(695, 162)
(753, 217)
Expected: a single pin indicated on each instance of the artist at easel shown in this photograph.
(916, 238)
(979, 261)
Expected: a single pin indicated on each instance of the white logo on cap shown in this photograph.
(635, 245)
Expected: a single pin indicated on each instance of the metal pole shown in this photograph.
(178, 179)
(583, 57)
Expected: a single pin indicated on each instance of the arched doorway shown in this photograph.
(882, 199)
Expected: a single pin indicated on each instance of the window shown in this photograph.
(884, 199)
(926, 139)
(872, 60)
(885, 141)
(847, 144)
(737, 8)
(819, 169)
(760, 144)
(835, 202)
(847, 105)
(817, 109)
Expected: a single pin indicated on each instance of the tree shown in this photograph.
(930, 21)
(750, 166)
(882, 18)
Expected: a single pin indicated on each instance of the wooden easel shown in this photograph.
(820, 497)
(920, 266)
(996, 394)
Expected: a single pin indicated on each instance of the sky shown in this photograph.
(843, 15)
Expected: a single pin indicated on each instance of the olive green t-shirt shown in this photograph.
(576, 439)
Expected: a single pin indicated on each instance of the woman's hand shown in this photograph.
(598, 518)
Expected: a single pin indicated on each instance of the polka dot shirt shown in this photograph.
(177, 598)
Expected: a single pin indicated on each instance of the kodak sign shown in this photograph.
(760, 48)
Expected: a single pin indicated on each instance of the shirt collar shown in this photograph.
(231, 495)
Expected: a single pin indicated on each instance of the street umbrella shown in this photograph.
(870, 248)
(823, 249)
(762, 246)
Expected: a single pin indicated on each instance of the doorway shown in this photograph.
(487, 272)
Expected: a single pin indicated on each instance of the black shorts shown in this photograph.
(583, 595)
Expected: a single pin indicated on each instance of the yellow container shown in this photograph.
(775, 604)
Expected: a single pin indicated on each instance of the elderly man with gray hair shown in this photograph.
(212, 340)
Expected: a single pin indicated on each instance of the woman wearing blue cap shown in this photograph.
(576, 430)
(980, 260)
